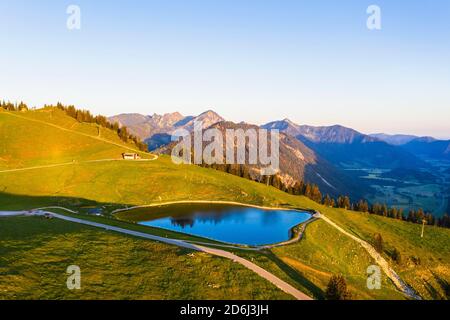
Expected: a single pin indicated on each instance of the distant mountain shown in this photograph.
(317, 155)
(348, 148)
(394, 139)
(422, 147)
(286, 126)
(156, 130)
(429, 148)
(208, 118)
(298, 163)
(330, 134)
(145, 126)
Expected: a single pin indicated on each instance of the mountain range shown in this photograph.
(330, 156)
(156, 130)
(348, 148)
(423, 147)
(395, 139)
(297, 162)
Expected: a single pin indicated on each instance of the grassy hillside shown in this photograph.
(323, 251)
(34, 255)
(425, 262)
(49, 136)
(307, 265)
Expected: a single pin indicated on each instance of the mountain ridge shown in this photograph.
(347, 147)
(156, 130)
(297, 163)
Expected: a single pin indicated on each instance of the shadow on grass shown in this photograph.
(445, 286)
(295, 275)
(15, 202)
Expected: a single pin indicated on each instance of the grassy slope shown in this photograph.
(323, 252)
(430, 273)
(27, 142)
(333, 254)
(34, 255)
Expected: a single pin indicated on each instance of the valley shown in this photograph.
(35, 251)
(225, 159)
(407, 192)
(403, 171)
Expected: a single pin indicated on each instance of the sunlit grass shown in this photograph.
(111, 185)
(34, 255)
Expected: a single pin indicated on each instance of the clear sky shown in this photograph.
(312, 61)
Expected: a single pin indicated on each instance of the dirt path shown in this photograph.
(399, 283)
(77, 132)
(198, 246)
(284, 286)
(71, 164)
(217, 252)
(12, 213)
(297, 238)
(203, 202)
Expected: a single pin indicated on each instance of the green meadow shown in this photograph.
(34, 251)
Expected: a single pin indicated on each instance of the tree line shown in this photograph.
(9, 106)
(84, 116)
(308, 190)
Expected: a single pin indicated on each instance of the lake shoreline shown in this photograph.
(242, 204)
(126, 214)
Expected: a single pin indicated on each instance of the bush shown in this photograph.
(378, 242)
(337, 289)
(396, 256)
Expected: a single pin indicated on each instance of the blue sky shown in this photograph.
(314, 62)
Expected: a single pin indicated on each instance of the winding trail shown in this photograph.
(99, 138)
(160, 204)
(284, 286)
(399, 283)
(297, 238)
(73, 163)
(395, 278)
(384, 265)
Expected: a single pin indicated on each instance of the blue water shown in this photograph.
(238, 225)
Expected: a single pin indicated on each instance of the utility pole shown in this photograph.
(423, 226)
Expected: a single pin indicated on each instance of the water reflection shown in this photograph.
(239, 225)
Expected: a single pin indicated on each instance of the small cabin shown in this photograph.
(131, 156)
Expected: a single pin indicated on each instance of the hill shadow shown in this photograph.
(295, 275)
(15, 202)
(445, 286)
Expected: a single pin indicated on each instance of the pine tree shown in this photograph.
(123, 134)
(327, 201)
(378, 242)
(337, 289)
(333, 203)
(315, 194)
(307, 190)
(396, 256)
(384, 210)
